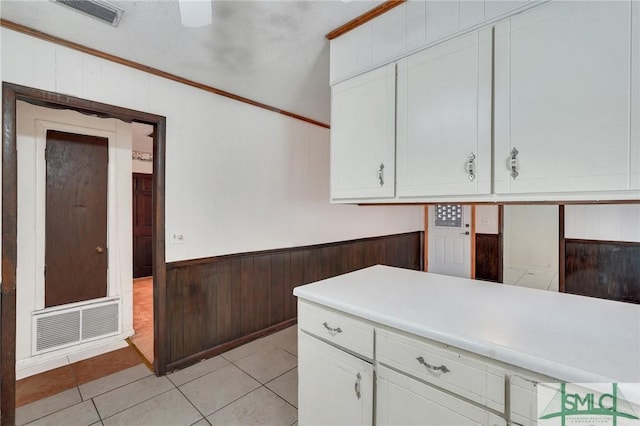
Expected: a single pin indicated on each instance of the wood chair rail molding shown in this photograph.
(100, 54)
(365, 17)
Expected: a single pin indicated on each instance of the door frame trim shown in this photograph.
(11, 93)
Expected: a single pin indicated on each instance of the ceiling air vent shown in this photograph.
(99, 9)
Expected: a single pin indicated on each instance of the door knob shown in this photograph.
(464, 233)
(99, 250)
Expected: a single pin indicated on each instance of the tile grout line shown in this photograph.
(57, 411)
(96, 408)
(117, 387)
(193, 405)
(135, 405)
(204, 374)
(279, 396)
(226, 405)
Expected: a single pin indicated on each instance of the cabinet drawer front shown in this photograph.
(401, 400)
(458, 372)
(339, 329)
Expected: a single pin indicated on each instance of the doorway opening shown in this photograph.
(142, 221)
(11, 94)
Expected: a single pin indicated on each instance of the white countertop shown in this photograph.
(567, 337)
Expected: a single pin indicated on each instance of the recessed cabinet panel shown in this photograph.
(401, 400)
(416, 24)
(389, 34)
(363, 136)
(442, 19)
(470, 12)
(444, 119)
(563, 98)
(351, 53)
(334, 387)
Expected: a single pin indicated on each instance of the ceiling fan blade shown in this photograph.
(195, 13)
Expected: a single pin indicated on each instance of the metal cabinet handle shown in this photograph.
(332, 330)
(471, 167)
(357, 385)
(99, 250)
(513, 162)
(442, 368)
(381, 174)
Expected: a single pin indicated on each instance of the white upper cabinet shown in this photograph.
(566, 99)
(543, 105)
(444, 119)
(363, 136)
(351, 53)
(389, 35)
(410, 26)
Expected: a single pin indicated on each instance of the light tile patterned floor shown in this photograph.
(254, 384)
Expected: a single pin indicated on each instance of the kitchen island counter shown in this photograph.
(567, 337)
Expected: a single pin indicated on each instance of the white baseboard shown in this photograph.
(45, 362)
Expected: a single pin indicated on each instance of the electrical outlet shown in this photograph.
(176, 238)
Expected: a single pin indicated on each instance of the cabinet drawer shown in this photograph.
(336, 328)
(401, 400)
(457, 372)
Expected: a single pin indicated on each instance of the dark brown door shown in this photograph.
(76, 218)
(142, 215)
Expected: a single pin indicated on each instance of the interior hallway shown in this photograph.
(253, 384)
(143, 317)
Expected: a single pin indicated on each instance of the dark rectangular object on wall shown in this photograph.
(487, 257)
(604, 269)
(221, 302)
(76, 217)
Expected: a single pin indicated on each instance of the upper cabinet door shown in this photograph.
(566, 99)
(363, 136)
(444, 119)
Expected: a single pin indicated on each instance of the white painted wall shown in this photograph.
(239, 178)
(32, 125)
(531, 250)
(609, 222)
(142, 143)
(486, 219)
(138, 166)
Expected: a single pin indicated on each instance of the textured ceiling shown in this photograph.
(273, 52)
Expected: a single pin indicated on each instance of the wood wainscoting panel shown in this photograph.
(221, 302)
(488, 257)
(604, 269)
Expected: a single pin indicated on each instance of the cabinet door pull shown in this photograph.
(381, 174)
(471, 167)
(513, 163)
(357, 385)
(442, 368)
(332, 330)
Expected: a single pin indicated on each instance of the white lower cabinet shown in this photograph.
(335, 387)
(401, 400)
(404, 380)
